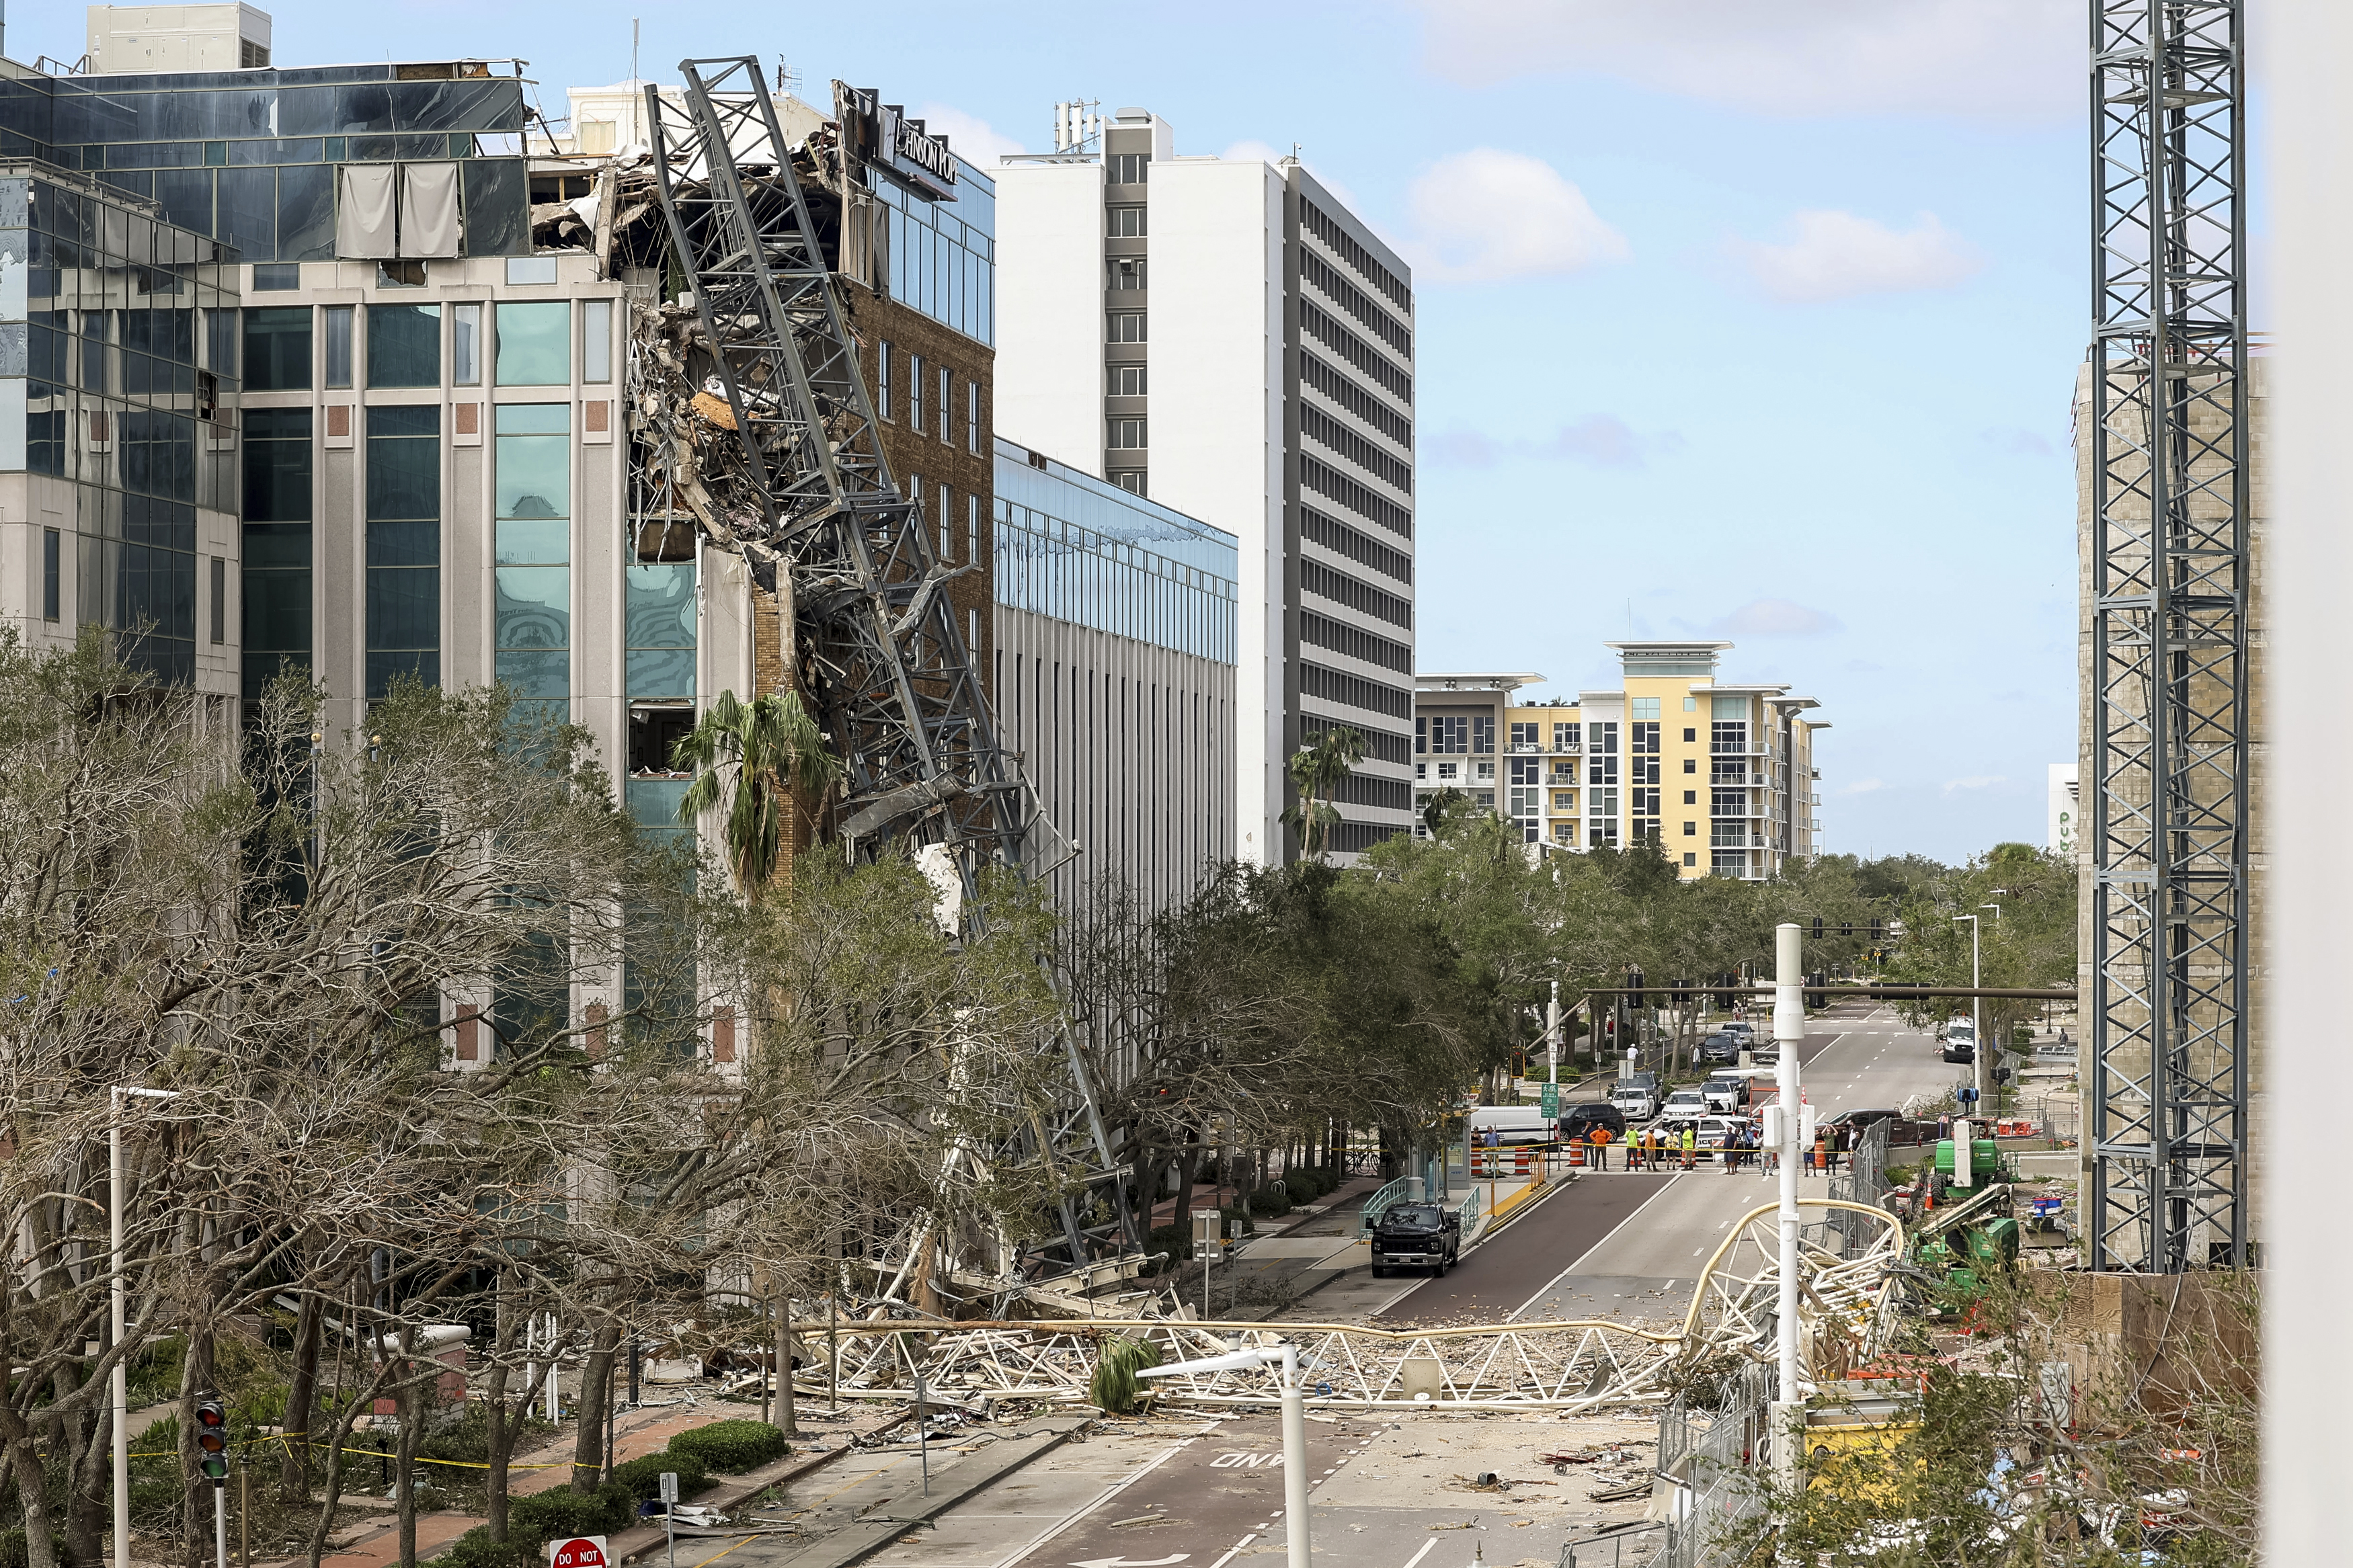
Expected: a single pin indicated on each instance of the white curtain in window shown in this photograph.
(428, 209)
(364, 212)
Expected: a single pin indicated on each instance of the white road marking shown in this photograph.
(1236, 1552)
(1414, 1561)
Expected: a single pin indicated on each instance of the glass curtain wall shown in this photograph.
(534, 552)
(404, 546)
(277, 553)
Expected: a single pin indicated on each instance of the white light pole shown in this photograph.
(1977, 1011)
(1294, 1432)
(120, 1380)
(1552, 1036)
(1789, 1033)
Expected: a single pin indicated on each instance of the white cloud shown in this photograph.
(1602, 439)
(1996, 59)
(1863, 786)
(1250, 151)
(1837, 256)
(1978, 780)
(973, 138)
(1487, 215)
(1775, 618)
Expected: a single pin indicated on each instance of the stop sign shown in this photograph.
(577, 1552)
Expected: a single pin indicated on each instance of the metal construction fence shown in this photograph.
(1715, 1460)
(1862, 1181)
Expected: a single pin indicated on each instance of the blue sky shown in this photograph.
(1743, 320)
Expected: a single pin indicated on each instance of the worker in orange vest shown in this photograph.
(1600, 1140)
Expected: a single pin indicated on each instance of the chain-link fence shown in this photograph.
(1863, 1180)
(1715, 1460)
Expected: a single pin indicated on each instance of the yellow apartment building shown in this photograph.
(1720, 775)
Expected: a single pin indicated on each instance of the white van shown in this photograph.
(1510, 1123)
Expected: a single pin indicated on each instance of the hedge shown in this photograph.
(1268, 1204)
(643, 1477)
(730, 1447)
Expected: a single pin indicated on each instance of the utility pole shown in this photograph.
(1552, 1036)
(1789, 1033)
(1977, 1014)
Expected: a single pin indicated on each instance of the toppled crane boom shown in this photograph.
(893, 681)
(876, 650)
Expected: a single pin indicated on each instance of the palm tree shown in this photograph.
(758, 758)
(1317, 770)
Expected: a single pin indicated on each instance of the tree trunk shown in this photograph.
(784, 1400)
(82, 1441)
(410, 1402)
(498, 1430)
(1187, 1165)
(596, 1390)
(302, 1402)
(33, 1488)
(196, 1376)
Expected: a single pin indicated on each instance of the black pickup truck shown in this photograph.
(1424, 1235)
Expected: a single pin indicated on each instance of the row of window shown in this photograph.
(291, 348)
(1359, 547)
(1383, 370)
(1355, 642)
(926, 398)
(1362, 499)
(1353, 397)
(1324, 430)
(1356, 301)
(1354, 690)
(1381, 745)
(1320, 223)
(1324, 582)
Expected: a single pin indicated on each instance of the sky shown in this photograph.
(1744, 321)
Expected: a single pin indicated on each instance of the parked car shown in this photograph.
(1960, 1048)
(1711, 1128)
(1416, 1235)
(1726, 1092)
(1719, 1050)
(1577, 1122)
(1741, 1029)
(1510, 1123)
(1683, 1104)
(1636, 1096)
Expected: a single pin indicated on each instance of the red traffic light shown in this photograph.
(212, 1438)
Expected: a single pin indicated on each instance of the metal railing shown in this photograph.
(1380, 1203)
(1716, 1461)
(1472, 1211)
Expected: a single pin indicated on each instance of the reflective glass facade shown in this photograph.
(126, 388)
(534, 552)
(248, 157)
(1070, 546)
(943, 255)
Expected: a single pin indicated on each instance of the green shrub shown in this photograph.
(730, 1447)
(1305, 1184)
(560, 1510)
(643, 1477)
(1175, 1240)
(1268, 1204)
(12, 1548)
(1239, 1222)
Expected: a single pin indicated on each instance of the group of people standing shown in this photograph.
(1655, 1148)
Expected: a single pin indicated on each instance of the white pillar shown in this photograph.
(2308, 1382)
(1294, 1468)
(119, 1391)
(1789, 1032)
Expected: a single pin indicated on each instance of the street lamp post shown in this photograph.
(1298, 1554)
(1977, 1008)
(120, 1380)
(1788, 1034)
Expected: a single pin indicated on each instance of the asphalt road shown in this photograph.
(1857, 1057)
(1499, 1278)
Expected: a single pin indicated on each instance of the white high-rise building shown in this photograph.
(1224, 336)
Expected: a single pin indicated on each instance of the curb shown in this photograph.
(640, 1539)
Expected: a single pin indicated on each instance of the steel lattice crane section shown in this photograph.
(2168, 713)
(899, 690)
(857, 575)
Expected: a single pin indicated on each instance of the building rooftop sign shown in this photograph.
(881, 136)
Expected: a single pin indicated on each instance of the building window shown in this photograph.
(1691, 797)
(404, 544)
(1124, 221)
(1729, 862)
(220, 599)
(1524, 736)
(1564, 737)
(1127, 435)
(1482, 734)
(1565, 833)
(276, 277)
(915, 393)
(1645, 707)
(276, 348)
(1564, 800)
(1125, 327)
(1691, 830)
(337, 320)
(1450, 734)
(1420, 771)
(1127, 168)
(1728, 802)
(1690, 735)
(535, 343)
(947, 406)
(466, 344)
(596, 340)
(1690, 705)
(52, 585)
(534, 628)
(972, 528)
(1691, 764)
(1690, 858)
(1129, 479)
(1602, 754)
(275, 571)
(403, 345)
(1124, 274)
(971, 417)
(1449, 773)
(1729, 738)
(948, 523)
(1127, 380)
(883, 381)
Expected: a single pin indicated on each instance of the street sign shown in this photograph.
(670, 1486)
(578, 1551)
(1548, 1100)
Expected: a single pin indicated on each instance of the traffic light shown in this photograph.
(1846, 927)
(1817, 928)
(212, 1438)
(1875, 930)
(1634, 983)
